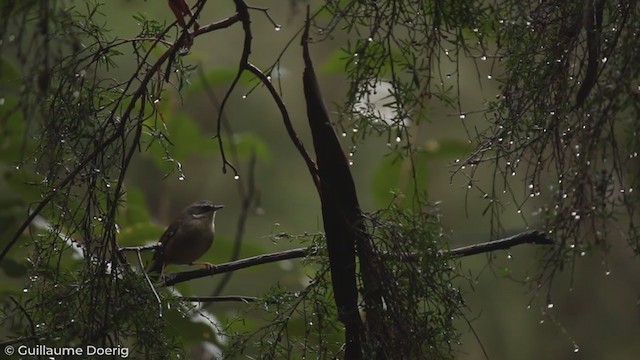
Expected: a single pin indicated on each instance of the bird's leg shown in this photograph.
(207, 264)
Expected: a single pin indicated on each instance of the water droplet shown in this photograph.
(181, 177)
(576, 348)
(608, 272)
(549, 306)
(483, 58)
(509, 256)
(344, 134)
(489, 77)
(2, 100)
(398, 139)
(278, 28)
(370, 39)
(244, 96)
(462, 116)
(237, 177)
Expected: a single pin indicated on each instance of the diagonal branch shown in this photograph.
(528, 237)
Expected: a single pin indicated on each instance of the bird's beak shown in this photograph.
(217, 207)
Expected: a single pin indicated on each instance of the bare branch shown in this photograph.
(175, 278)
(210, 299)
(527, 237)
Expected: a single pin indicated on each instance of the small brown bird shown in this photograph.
(187, 238)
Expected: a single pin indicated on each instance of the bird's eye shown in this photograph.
(204, 208)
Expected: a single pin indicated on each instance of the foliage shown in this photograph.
(567, 112)
(70, 131)
(416, 281)
(562, 136)
(403, 44)
(420, 302)
(564, 132)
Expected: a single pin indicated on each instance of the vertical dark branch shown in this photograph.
(340, 210)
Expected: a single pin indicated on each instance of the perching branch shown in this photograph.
(528, 237)
(175, 278)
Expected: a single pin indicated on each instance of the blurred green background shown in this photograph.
(595, 305)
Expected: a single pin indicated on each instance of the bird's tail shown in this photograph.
(157, 265)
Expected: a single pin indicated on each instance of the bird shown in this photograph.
(188, 237)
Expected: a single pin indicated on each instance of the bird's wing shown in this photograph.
(157, 263)
(170, 232)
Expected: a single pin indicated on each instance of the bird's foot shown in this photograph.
(208, 265)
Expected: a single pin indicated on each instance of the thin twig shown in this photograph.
(266, 13)
(211, 299)
(150, 283)
(247, 196)
(313, 170)
(243, 16)
(247, 201)
(32, 326)
(140, 248)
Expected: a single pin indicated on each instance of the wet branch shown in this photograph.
(528, 237)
